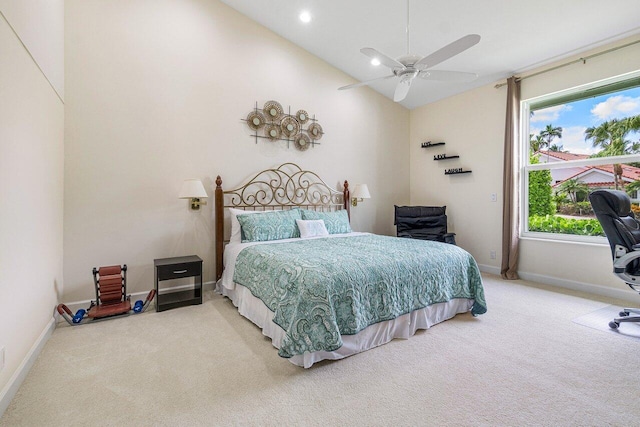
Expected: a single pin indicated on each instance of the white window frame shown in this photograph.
(525, 167)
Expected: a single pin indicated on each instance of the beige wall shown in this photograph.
(31, 202)
(40, 26)
(155, 94)
(472, 125)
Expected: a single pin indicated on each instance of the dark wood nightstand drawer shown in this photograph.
(176, 268)
(176, 271)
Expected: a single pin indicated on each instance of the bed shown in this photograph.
(316, 288)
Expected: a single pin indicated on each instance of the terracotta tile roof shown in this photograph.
(564, 155)
(601, 184)
(629, 173)
(583, 169)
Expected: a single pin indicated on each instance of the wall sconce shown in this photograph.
(360, 192)
(194, 190)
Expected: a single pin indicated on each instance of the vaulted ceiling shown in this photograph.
(516, 35)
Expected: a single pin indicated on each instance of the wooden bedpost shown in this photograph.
(347, 199)
(219, 212)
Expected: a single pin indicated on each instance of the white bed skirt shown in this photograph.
(377, 334)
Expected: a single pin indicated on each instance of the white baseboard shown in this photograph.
(489, 269)
(10, 390)
(77, 305)
(605, 291)
(622, 293)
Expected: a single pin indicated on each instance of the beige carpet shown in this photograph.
(523, 363)
(600, 319)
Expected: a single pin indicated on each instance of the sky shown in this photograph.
(576, 117)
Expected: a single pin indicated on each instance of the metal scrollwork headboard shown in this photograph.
(284, 187)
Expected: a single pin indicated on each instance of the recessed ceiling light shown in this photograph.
(305, 16)
(375, 62)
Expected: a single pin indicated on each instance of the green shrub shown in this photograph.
(540, 194)
(558, 224)
(578, 209)
(559, 199)
(568, 209)
(585, 208)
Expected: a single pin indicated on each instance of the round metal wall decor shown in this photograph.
(272, 122)
(272, 132)
(302, 142)
(290, 126)
(255, 120)
(302, 116)
(272, 109)
(315, 131)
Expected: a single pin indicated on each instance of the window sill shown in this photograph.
(564, 238)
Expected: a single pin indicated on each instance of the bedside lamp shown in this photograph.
(194, 190)
(360, 193)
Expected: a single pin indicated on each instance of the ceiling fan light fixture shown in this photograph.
(305, 16)
(409, 66)
(408, 77)
(402, 89)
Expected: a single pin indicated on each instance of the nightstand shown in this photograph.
(178, 268)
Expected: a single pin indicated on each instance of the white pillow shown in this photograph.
(236, 231)
(312, 228)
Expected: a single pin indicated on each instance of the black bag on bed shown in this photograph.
(423, 222)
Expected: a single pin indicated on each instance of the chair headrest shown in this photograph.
(418, 212)
(611, 202)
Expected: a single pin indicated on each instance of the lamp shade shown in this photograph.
(192, 188)
(361, 191)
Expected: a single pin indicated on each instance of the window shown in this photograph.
(574, 142)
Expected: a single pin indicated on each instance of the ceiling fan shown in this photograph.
(408, 67)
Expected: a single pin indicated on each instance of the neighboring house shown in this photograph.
(558, 176)
(594, 176)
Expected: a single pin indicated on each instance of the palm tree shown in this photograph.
(536, 143)
(632, 188)
(605, 136)
(556, 148)
(611, 137)
(572, 187)
(633, 122)
(549, 134)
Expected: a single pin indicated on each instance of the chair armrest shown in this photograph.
(450, 238)
(620, 267)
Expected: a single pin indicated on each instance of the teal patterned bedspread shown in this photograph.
(320, 289)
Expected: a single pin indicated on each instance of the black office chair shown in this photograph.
(423, 222)
(613, 210)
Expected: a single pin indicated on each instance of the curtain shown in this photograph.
(510, 207)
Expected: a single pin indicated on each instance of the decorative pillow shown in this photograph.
(236, 233)
(274, 225)
(312, 228)
(336, 222)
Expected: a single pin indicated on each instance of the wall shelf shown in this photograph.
(430, 144)
(443, 156)
(455, 171)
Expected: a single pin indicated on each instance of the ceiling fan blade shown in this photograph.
(402, 89)
(447, 76)
(384, 59)
(450, 50)
(365, 83)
